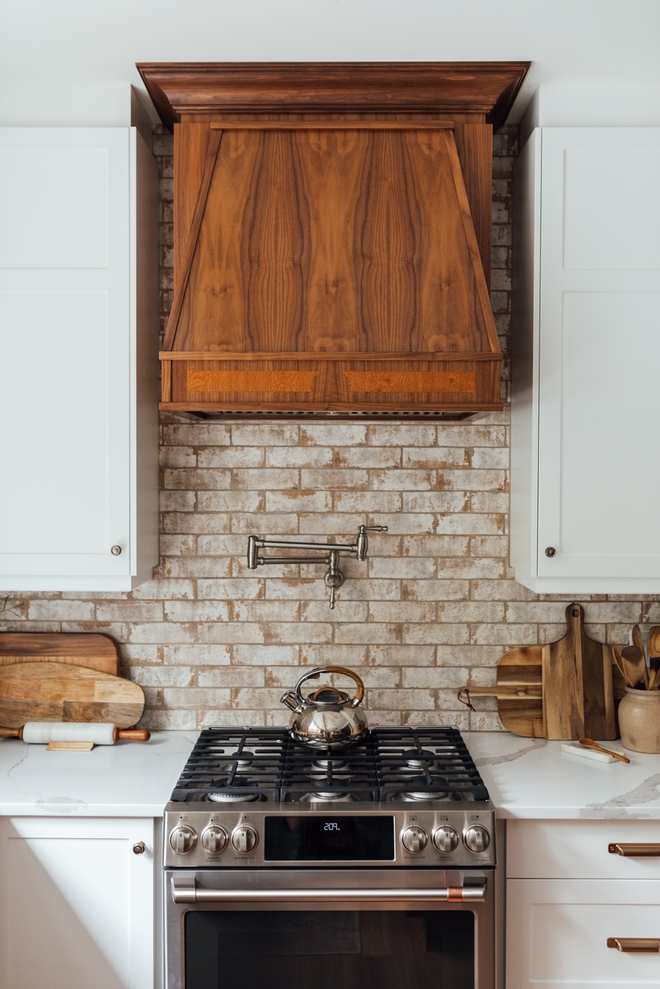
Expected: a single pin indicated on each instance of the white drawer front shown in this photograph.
(579, 849)
(557, 933)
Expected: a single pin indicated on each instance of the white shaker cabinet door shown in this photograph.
(76, 904)
(558, 931)
(68, 351)
(585, 475)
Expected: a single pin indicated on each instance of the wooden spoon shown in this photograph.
(622, 666)
(590, 744)
(654, 647)
(638, 640)
(636, 666)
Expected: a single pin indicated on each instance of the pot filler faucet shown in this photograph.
(334, 578)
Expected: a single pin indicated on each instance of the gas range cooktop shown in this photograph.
(399, 765)
(400, 796)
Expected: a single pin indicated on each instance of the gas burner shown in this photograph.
(334, 764)
(233, 798)
(228, 796)
(422, 792)
(415, 760)
(329, 796)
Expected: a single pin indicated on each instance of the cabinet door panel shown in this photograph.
(599, 345)
(65, 331)
(557, 933)
(76, 908)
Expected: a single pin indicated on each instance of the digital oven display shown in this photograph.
(329, 839)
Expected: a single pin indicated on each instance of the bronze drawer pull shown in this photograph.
(638, 849)
(643, 944)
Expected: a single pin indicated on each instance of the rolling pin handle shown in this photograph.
(133, 734)
(11, 733)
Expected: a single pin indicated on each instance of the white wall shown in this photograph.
(61, 61)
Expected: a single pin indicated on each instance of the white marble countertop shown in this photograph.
(129, 779)
(533, 778)
(526, 778)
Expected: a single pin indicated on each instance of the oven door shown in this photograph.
(330, 929)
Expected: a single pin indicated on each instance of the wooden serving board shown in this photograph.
(91, 650)
(564, 690)
(61, 692)
(578, 699)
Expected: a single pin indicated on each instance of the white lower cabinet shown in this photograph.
(77, 903)
(557, 933)
(558, 925)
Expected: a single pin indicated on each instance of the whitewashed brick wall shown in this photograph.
(434, 606)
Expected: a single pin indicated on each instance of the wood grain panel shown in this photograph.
(333, 172)
(332, 385)
(474, 144)
(267, 381)
(411, 381)
(316, 240)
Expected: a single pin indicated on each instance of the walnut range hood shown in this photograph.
(332, 237)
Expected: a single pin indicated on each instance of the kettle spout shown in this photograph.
(292, 701)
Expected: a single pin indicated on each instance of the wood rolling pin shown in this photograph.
(43, 732)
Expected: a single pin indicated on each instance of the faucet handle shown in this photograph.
(362, 541)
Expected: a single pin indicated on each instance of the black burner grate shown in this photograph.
(265, 763)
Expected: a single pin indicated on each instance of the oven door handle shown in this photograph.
(187, 891)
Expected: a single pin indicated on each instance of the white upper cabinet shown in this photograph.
(585, 470)
(78, 359)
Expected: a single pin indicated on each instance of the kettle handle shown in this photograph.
(359, 692)
(315, 674)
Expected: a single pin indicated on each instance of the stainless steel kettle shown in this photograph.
(327, 718)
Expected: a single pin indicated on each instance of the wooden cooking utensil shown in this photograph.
(635, 664)
(91, 650)
(621, 665)
(638, 640)
(60, 692)
(590, 744)
(654, 647)
(578, 699)
(45, 732)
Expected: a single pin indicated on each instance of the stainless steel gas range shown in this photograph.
(287, 866)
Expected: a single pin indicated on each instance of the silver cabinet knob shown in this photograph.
(445, 839)
(244, 838)
(115, 550)
(551, 551)
(476, 839)
(183, 839)
(214, 838)
(139, 848)
(414, 838)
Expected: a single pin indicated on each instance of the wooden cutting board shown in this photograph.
(96, 652)
(61, 692)
(578, 698)
(570, 688)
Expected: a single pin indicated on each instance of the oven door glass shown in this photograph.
(351, 949)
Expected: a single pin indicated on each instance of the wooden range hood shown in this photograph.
(332, 237)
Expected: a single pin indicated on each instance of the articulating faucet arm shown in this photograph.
(334, 578)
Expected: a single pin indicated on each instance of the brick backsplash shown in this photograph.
(433, 607)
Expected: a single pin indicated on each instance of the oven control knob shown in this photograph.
(183, 839)
(414, 838)
(445, 839)
(244, 838)
(214, 838)
(476, 838)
